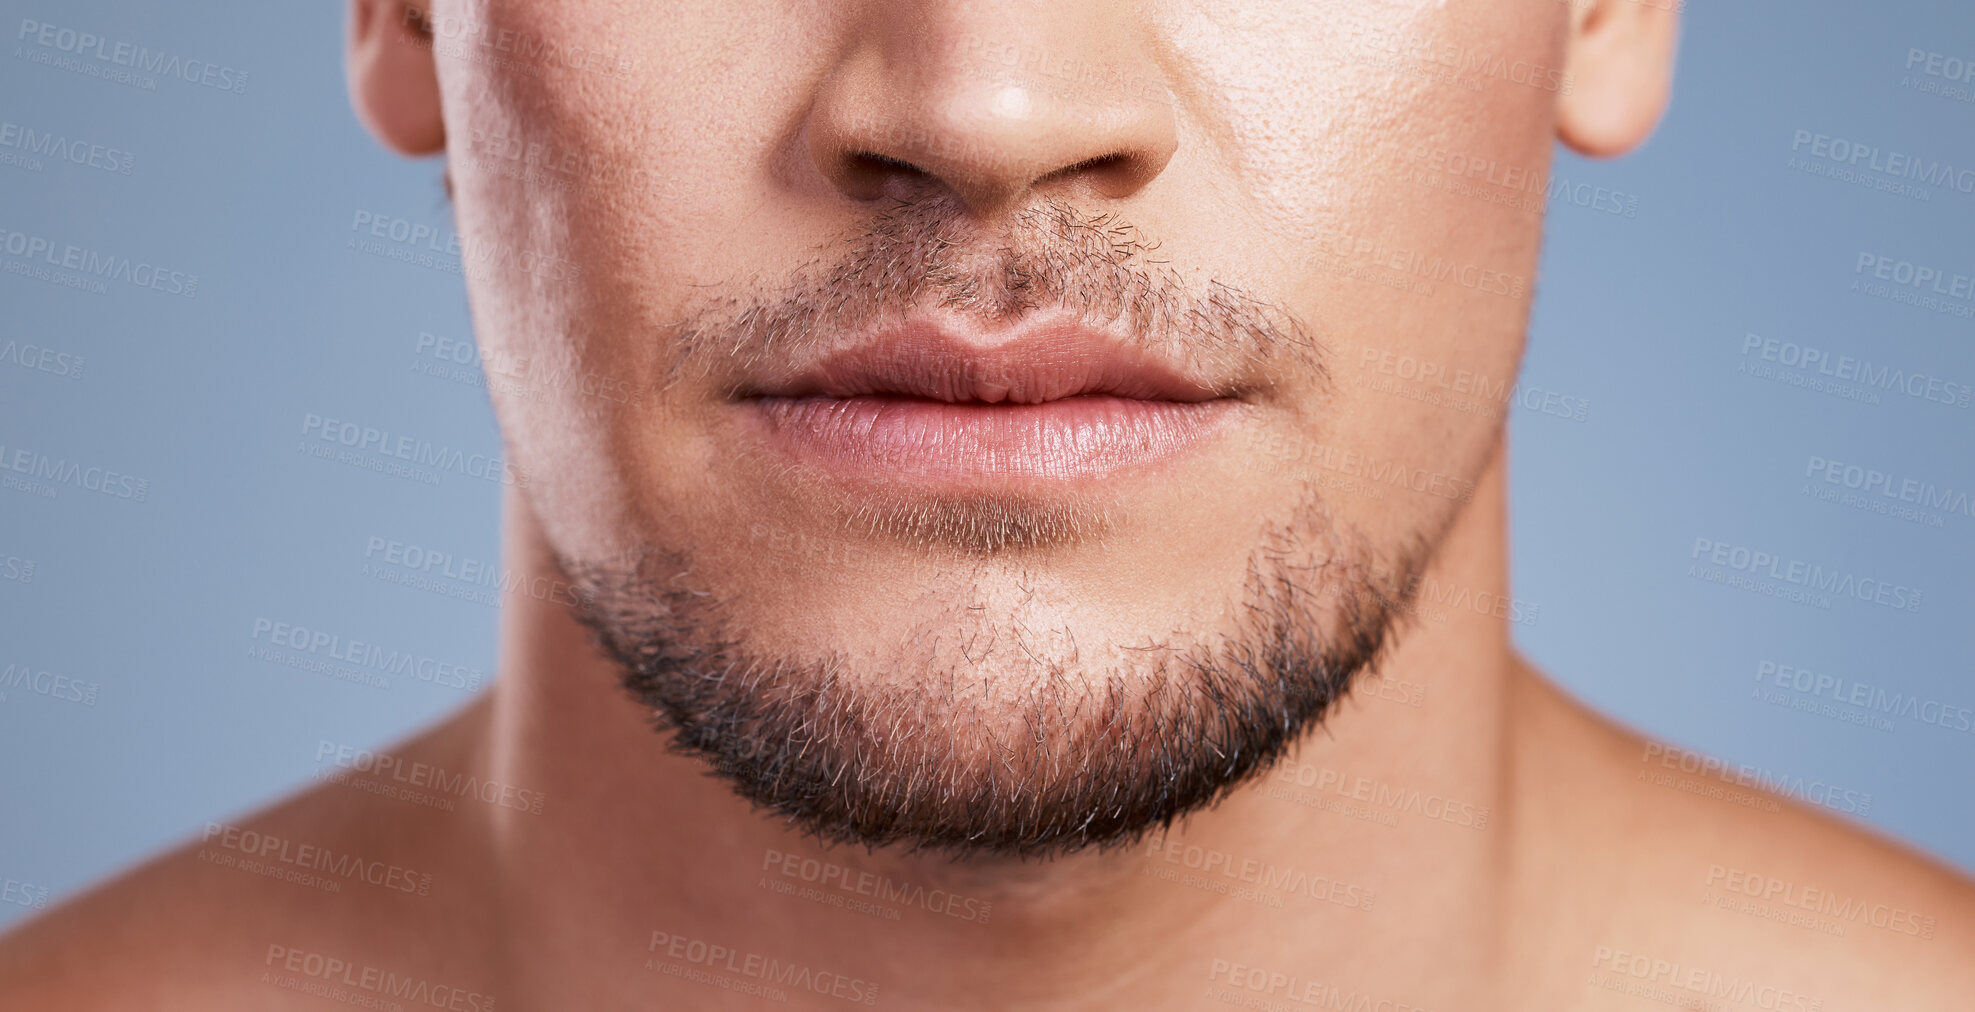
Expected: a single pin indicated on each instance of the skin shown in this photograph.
(1557, 863)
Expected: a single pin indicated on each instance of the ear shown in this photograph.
(394, 83)
(1619, 69)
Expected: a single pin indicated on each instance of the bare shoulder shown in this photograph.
(1656, 872)
(324, 900)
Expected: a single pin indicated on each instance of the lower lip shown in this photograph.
(905, 439)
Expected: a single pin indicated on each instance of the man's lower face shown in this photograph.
(997, 463)
(945, 585)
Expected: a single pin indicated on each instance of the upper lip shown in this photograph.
(1042, 361)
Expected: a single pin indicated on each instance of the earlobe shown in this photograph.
(394, 83)
(1619, 74)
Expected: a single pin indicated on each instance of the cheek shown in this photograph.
(585, 140)
(638, 167)
(1388, 163)
(1395, 143)
(1411, 177)
(628, 139)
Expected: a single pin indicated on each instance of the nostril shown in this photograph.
(1100, 163)
(872, 164)
(863, 174)
(1112, 175)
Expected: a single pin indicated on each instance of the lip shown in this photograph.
(925, 403)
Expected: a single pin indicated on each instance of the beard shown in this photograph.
(980, 736)
(997, 745)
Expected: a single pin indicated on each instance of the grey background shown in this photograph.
(1643, 318)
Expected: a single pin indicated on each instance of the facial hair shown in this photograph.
(1042, 752)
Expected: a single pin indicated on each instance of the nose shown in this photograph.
(995, 101)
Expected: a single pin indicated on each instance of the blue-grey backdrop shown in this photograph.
(1705, 309)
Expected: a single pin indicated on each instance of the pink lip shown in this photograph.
(927, 404)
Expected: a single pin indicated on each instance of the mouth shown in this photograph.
(924, 403)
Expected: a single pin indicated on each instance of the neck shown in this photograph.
(1366, 864)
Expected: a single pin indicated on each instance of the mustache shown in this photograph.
(923, 254)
